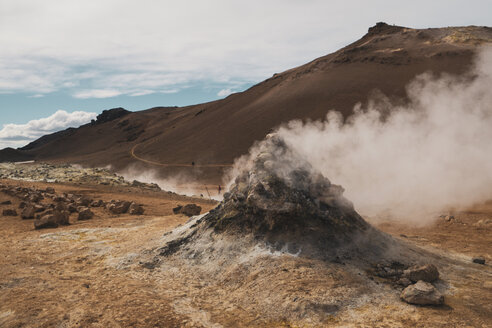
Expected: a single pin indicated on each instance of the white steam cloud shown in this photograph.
(16, 135)
(412, 161)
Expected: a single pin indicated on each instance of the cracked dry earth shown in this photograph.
(91, 274)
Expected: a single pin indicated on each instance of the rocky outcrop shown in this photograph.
(111, 115)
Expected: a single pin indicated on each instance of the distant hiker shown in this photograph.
(193, 163)
(219, 189)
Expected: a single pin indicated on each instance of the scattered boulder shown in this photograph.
(83, 201)
(188, 210)
(98, 203)
(7, 202)
(85, 214)
(479, 260)
(177, 209)
(119, 207)
(135, 209)
(71, 208)
(422, 293)
(427, 273)
(38, 208)
(34, 198)
(9, 212)
(49, 190)
(62, 217)
(46, 221)
(28, 212)
(22, 205)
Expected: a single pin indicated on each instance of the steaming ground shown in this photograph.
(409, 161)
(96, 273)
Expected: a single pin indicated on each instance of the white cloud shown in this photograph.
(133, 46)
(224, 92)
(142, 93)
(169, 91)
(96, 93)
(36, 96)
(16, 135)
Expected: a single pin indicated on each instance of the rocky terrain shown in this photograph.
(30, 171)
(115, 270)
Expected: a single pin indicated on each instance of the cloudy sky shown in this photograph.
(62, 61)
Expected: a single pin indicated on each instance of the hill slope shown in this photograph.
(211, 135)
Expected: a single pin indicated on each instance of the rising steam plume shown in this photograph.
(408, 162)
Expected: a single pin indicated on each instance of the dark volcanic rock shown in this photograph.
(7, 202)
(422, 293)
(111, 114)
(46, 221)
(85, 214)
(119, 207)
(135, 209)
(9, 212)
(188, 210)
(479, 260)
(28, 212)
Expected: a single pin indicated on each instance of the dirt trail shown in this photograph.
(135, 156)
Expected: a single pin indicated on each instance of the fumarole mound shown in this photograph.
(280, 202)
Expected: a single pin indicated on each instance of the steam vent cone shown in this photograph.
(280, 201)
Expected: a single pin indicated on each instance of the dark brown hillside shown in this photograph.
(213, 134)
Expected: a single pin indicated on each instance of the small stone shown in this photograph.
(177, 209)
(479, 260)
(9, 212)
(7, 202)
(422, 293)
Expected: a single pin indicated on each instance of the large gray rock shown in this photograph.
(426, 273)
(422, 293)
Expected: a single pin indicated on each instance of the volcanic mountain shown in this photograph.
(206, 138)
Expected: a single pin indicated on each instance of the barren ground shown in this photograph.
(88, 275)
